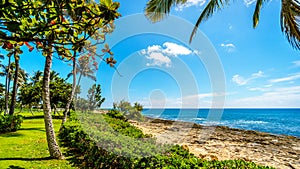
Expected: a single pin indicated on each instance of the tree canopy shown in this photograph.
(156, 10)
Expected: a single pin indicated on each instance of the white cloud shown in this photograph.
(269, 85)
(239, 80)
(161, 55)
(154, 48)
(261, 89)
(190, 3)
(278, 97)
(228, 46)
(197, 52)
(285, 79)
(158, 59)
(203, 100)
(174, 49)
(249, 2)
(296, 63)
(258, 74)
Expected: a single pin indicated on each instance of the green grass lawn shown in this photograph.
(27, 148)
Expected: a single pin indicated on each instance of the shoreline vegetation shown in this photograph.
(224, 143)
(219, 146)
(109, 140)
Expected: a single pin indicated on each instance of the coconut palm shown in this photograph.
(8, 74)
(85, 69)
(2, 73)
(15, 84)
(289, 15)
(30, 93)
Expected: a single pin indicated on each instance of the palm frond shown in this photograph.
(93, 77)
(209, 10)
(69, 75)
(256, 13)
(290, 21)
(156, 10)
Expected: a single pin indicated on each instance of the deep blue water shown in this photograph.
(275, 121)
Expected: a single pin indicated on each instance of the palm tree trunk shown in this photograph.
(7, 85)
(53, 147)
(67, 108)
(15, 86)
(80, 75)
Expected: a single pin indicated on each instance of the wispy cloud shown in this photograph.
(239, 80)
(278, 97)
(286, 79)
(230, 47)
(189, 101)
(261, 89)
(296, 63)
(161, 55)
(249, 2)
(230, 26)
(190, 3)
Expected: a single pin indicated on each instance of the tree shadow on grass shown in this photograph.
(16, 134)
(33, 128)
(11, 134)
(27, 159)
(42, 117)
(15, 167)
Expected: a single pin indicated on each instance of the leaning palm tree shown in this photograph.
(85, 69)
(156, 10)
(2, 73)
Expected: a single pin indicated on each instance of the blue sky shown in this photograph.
(228, 64)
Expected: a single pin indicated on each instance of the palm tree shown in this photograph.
(12, 71)
(67, 108)
(50, 134)
(7, 72)
(84, 68)
(30, 93)
(156, 10)
(2, 66)
(15, 85)
(2, 89)
(37, 77)
(20, 78)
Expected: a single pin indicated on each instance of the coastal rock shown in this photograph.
(224, 143)
(186, 147)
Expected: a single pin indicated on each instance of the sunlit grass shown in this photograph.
(27, 148)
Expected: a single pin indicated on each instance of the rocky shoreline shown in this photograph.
(224, 143)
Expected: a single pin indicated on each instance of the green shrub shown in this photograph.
(128, 111)
(116, 114)
(10, 123)
(86, 150)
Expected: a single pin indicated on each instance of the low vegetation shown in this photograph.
(109, 141)
(27, 147)
(10, 123)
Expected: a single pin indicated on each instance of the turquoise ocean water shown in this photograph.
(274, 121)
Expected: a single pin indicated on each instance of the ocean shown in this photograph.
(274, 121)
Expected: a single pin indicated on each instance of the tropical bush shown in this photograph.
(128, 111)
(10, 123)
(85, 136)
(116, 114)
